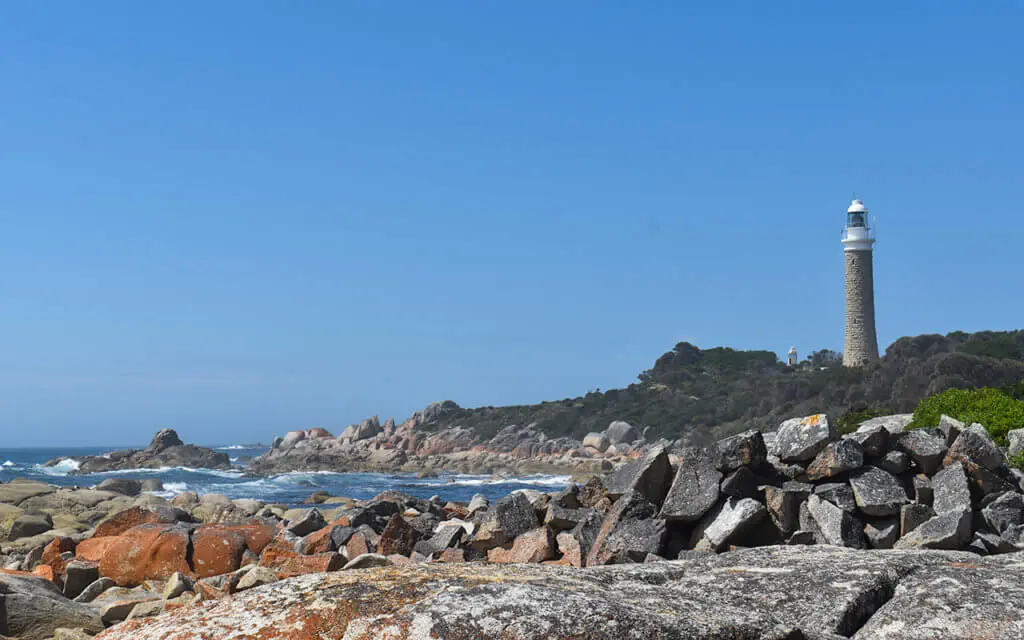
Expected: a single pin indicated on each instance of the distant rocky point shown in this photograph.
(166, 450)
(417, 445)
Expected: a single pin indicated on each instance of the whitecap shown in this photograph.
(159, 470)
(232, 447)
(7, 464)
(62, 468)
(171, 489)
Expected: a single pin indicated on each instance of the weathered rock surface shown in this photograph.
(800, 439)
(695, 487)
(836, 458)
(770, 592)
(877, 492)
(32, 608)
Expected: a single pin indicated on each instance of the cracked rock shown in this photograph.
(877, 492)
(694, 489)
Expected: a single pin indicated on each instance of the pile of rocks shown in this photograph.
(881, 487)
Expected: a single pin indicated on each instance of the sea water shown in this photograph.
(288, 488)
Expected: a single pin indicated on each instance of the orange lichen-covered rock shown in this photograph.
(52, 552)
(537, 545)
(257, 534)
(398, 537)
(361, 542)
(319, 541)
(46, 572)
(122, 521)
(216, 550)
(93, 549)
(452, 555)
(146, 552)
(300, 565)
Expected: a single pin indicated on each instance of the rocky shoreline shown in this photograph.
(798, 533)
(415, 447)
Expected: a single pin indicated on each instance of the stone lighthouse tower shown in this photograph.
(858, 241)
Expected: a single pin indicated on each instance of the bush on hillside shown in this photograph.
(992, 408)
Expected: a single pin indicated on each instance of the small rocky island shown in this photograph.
(800, 533)
(165, 450)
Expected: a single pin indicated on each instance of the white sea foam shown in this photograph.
(171, 489)
(62, 468)
(7, 464)
(159, 470)
(480, 480)
(232, 447)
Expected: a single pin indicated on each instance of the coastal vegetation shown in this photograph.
(705, 394)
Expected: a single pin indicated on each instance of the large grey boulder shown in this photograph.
(30, 524)
(32, 608)
(123, 486)
(743, 449)
(727, 523)
(308, 522)
(893, 424)
(872, 440)
(877, 492)
(1004, 512)
(830, 524)
(838, 493)
(695, 487)
(619, 432)
(597, 441)
(836, 458)
(951, 489)
(650, 475)
(510, 517)
(771, 592)
(895, 462)
(974, 444)
(800, 439)
(629, 532)
(79, 574)
(947, 530)
(926, 449)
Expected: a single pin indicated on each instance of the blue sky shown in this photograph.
(240, 218)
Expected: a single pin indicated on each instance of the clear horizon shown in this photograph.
(238, 220)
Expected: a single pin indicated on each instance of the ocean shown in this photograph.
(287, 488)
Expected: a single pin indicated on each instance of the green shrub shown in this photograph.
(992, 408)
(1016, 461)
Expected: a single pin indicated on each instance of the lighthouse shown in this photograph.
(861, 346)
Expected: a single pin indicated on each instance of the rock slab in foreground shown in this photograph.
(768, 592)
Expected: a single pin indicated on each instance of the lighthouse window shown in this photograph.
(856, 219)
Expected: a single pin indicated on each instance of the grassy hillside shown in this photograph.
(706, 394)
